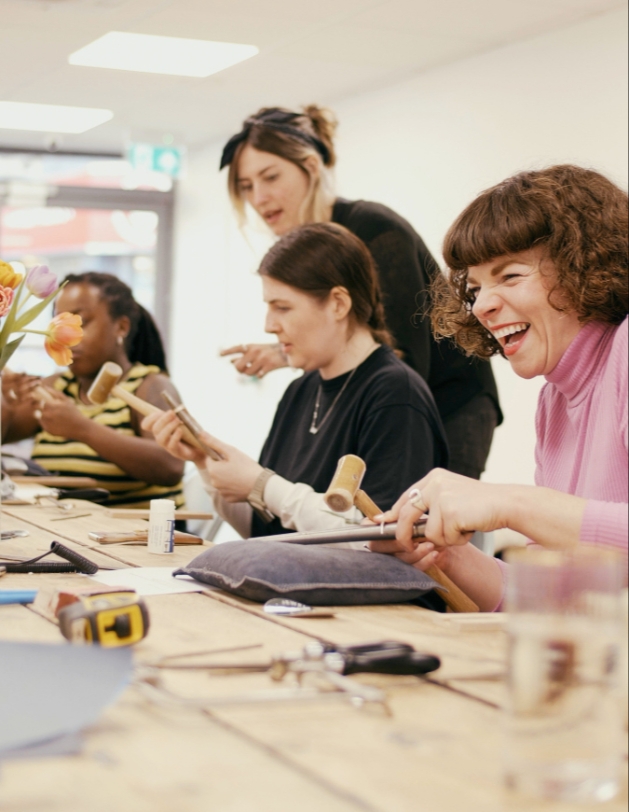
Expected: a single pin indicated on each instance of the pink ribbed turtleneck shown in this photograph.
(581, 427)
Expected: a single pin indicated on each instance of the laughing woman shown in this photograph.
(538, 273)
(356, 397)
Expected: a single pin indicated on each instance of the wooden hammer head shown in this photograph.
(109, 375)
(350, 471)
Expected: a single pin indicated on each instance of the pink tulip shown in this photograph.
(41, 282)
(6, 299)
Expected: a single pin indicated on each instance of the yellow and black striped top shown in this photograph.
(71, 458)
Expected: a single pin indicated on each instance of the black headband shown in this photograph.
(278, 120)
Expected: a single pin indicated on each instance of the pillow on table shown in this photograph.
(320, 576)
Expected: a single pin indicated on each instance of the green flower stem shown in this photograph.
(9, 322)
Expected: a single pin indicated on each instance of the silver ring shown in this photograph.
(37, 414)
(415, 498)
(248, 365)
(12, 394)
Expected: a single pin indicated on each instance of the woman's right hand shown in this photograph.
(168, 430)
(17, 387)
(256, 359)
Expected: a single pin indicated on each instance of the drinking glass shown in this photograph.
(564, 722)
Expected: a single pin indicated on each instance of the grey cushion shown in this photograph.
(320, 576)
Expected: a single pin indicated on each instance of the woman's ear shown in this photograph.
(341, 302)
(311, 165)
(122, 327)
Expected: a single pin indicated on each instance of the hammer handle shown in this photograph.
(43, 394)
(146, 408)
(455, 598)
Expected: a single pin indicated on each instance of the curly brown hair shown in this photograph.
(576, 215)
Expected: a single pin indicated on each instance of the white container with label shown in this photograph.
(161, 526)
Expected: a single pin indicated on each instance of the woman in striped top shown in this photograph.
(538, 273)
(105, 442)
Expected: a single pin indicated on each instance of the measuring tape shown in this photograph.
(111, 620)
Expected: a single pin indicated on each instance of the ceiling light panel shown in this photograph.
(51, 118)
(147, 53)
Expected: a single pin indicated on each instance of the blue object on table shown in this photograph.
(17, 596)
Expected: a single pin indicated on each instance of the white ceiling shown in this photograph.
(310, 51)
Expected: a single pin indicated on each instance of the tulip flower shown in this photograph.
(41, 282)
(6, 299)
(63, 332)
(8, 277)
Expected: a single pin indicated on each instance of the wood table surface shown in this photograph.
(439, 750)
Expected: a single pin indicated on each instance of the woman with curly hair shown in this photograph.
(538, 273)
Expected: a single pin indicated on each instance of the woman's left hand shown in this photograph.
(61, 417)
(457, 507)
(235, 475)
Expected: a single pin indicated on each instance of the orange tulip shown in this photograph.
(63, 332)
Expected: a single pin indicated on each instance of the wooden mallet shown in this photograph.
(106, 385)
(345, 492)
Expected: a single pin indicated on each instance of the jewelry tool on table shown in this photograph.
(284, 607)
(75, 562)
(8, 596)
(5, 535)
(139, 537)
(332, 664)
(344, 491)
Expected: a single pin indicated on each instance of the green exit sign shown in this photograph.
(151, 158)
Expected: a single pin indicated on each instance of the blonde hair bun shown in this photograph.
(324, 124)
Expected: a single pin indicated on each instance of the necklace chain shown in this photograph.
(314, 429)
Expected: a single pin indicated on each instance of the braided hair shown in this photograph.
(143, 344)
(317, 257)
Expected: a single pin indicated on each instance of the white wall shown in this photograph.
(425, 147)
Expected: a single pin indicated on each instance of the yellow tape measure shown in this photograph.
(112, 619)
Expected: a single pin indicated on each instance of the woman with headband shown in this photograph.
(281, 163)
(538, 274)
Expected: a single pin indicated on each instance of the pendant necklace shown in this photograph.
(314, 429)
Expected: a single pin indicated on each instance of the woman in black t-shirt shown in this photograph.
(356, 396)
(281, 163)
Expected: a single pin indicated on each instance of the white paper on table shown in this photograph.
(149, 580)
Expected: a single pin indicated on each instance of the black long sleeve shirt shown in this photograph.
(406, 269)
(386, 415)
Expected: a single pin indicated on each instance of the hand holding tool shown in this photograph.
(106, 384)
(345, 490)
(195, 429)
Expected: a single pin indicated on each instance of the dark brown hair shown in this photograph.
(579, 219)
(317, 257)
(315, 121)
(143, 344)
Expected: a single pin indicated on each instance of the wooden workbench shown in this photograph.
(438, 751)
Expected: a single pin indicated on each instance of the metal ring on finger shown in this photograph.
(415, 498)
